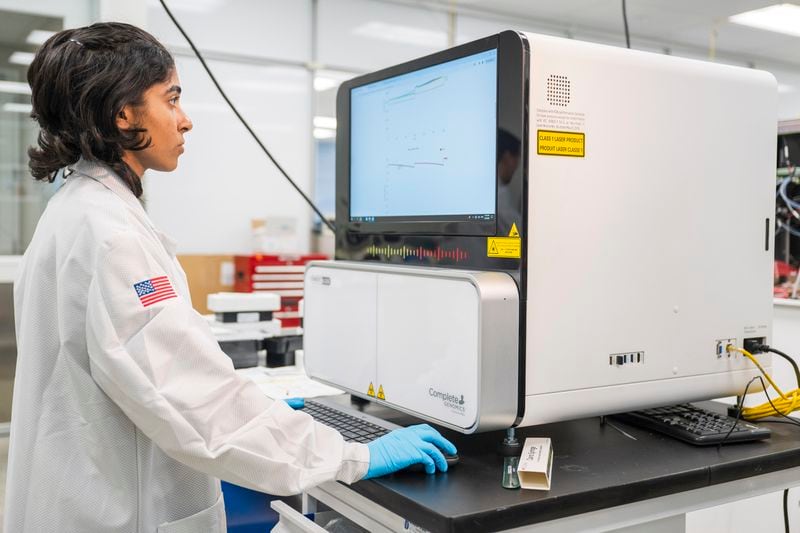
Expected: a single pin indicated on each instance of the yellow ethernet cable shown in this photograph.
(784, 405)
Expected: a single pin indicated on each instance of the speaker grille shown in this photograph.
(558, 90)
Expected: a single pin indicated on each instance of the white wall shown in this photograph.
(365, 35)
(223, 180)
(277, 29)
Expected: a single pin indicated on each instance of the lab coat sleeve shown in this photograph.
(161, 365)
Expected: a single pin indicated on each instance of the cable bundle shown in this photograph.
(786, 403)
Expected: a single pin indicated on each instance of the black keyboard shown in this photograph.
(353, 429)
(694, 425)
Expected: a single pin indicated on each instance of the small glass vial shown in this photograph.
(510, 477)
(510, 450)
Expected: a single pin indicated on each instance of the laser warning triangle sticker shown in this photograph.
(505, 247)
(371, 390)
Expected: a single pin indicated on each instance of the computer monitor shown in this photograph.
(419, 153)
(422, 144)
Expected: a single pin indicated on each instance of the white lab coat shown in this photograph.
(125, 415)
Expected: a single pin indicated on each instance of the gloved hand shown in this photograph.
(407, 446)
(295, 403)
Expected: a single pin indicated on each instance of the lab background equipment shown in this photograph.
(243, 323)
(280, 274)
(533, 229)
(787, 216)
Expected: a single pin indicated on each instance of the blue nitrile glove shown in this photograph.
(295, 403)
(407, 446)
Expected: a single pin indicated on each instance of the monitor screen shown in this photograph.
(423, 144)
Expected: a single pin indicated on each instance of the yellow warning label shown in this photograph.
(514, 232)
(564, 143)
(509, 247)
(381, 396)
(371, 390)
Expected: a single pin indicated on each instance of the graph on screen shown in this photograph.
(423, 143)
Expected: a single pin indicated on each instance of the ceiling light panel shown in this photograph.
(778, 18)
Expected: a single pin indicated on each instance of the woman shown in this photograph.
(125, 411)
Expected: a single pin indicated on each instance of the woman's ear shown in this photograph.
(126, 118)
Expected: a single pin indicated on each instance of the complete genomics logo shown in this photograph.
(452, 401)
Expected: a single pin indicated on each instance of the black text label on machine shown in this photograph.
(454, 402)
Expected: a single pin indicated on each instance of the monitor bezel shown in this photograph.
(510, 85)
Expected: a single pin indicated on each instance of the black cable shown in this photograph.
(625, 20)
(788, 358)
(739, 407)
(789, 418)
(242, 120)
(786, 510)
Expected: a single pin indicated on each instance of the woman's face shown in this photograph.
(166, 123)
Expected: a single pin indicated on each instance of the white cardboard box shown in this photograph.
(536, 464)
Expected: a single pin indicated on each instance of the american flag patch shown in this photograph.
(154, 290)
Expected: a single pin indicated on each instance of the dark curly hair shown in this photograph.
(80, 81)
